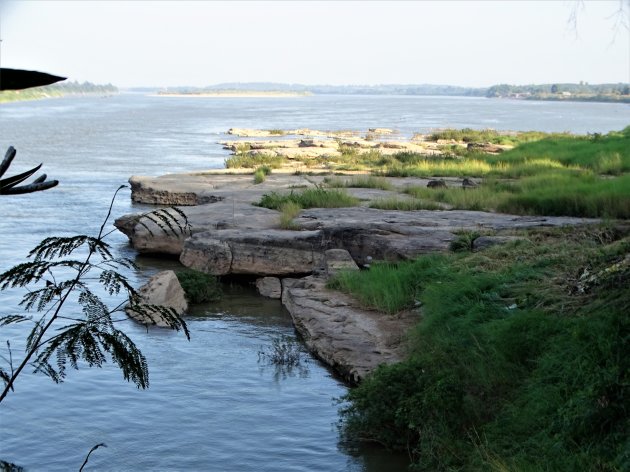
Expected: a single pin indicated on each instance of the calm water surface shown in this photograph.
(211, 406)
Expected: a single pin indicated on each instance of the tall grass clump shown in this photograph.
(388, 287)
(288, 211)
(252, 161)
(556, 193)
(519, 359)
(405, 204)
(310, 198)
(360, 181)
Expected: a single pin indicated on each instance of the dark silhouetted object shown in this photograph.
(16, 79)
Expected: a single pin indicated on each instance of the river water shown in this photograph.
(212, 406)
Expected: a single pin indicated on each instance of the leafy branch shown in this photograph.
(56, 341)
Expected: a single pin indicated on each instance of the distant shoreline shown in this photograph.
(235, 94)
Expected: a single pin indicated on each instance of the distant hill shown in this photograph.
(560, 91)
(396, 89)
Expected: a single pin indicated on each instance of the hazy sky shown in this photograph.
(471, 43)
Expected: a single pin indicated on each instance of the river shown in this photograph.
(212, 406)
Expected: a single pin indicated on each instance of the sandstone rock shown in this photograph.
(266, 253)
(351, 340)
(436, 184)
(337, 260)
(162, 289)
(269, 287)
(469, 183)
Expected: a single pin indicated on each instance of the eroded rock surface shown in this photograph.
(163, 289)
(351, 340)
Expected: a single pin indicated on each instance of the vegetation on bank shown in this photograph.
(199, 287)
(56, 90)
(310, 198)
(521, 359)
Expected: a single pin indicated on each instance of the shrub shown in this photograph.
(309, 198)
(199, 287)
(288, 211)
(259, 176)
(508, 364)
(244, 160)
(361, 181)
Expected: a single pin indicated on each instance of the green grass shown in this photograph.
(244, 160)
(468, 135)
(553, 193)
(277, 132)
(288, 211)
(511, 365)
(359, 181)
(309, 198)
(404, 204)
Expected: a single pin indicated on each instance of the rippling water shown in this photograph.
(211, 405)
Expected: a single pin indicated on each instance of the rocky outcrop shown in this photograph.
(270, 252)
(232, 236)
(351, 340)
(163, 289)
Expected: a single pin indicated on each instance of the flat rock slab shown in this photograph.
(352, 340)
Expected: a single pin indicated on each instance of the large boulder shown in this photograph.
(266, 253)
(269, 287)
(163, 289)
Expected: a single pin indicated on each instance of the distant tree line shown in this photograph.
(57, 90)
(539, 91)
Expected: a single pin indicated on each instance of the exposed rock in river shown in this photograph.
(229, 235)
(163, 289)
(352, 340)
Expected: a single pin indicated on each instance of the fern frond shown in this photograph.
(54, 246)
(10, 319)
(23, 274)
(35, 334)
(127, 356)
(159, 313)
(5, 376)
(113, 282)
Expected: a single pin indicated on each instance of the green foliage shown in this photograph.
(309, 198)
(288, 211)
(361, 181)
(404, 204)
(259, 176)
(468, 135)
(60, 270)
(464, 241)
(515, 363)
(277, 132)
(245, 160)
(199, 287)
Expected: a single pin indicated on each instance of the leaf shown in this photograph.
(10, 319)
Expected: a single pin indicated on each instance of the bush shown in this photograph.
(288, 211)
(259, 176)
(199, 287)
(510, 365)
(309, 198)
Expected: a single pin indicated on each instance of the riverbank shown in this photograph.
(492, 285)
(231, 236)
